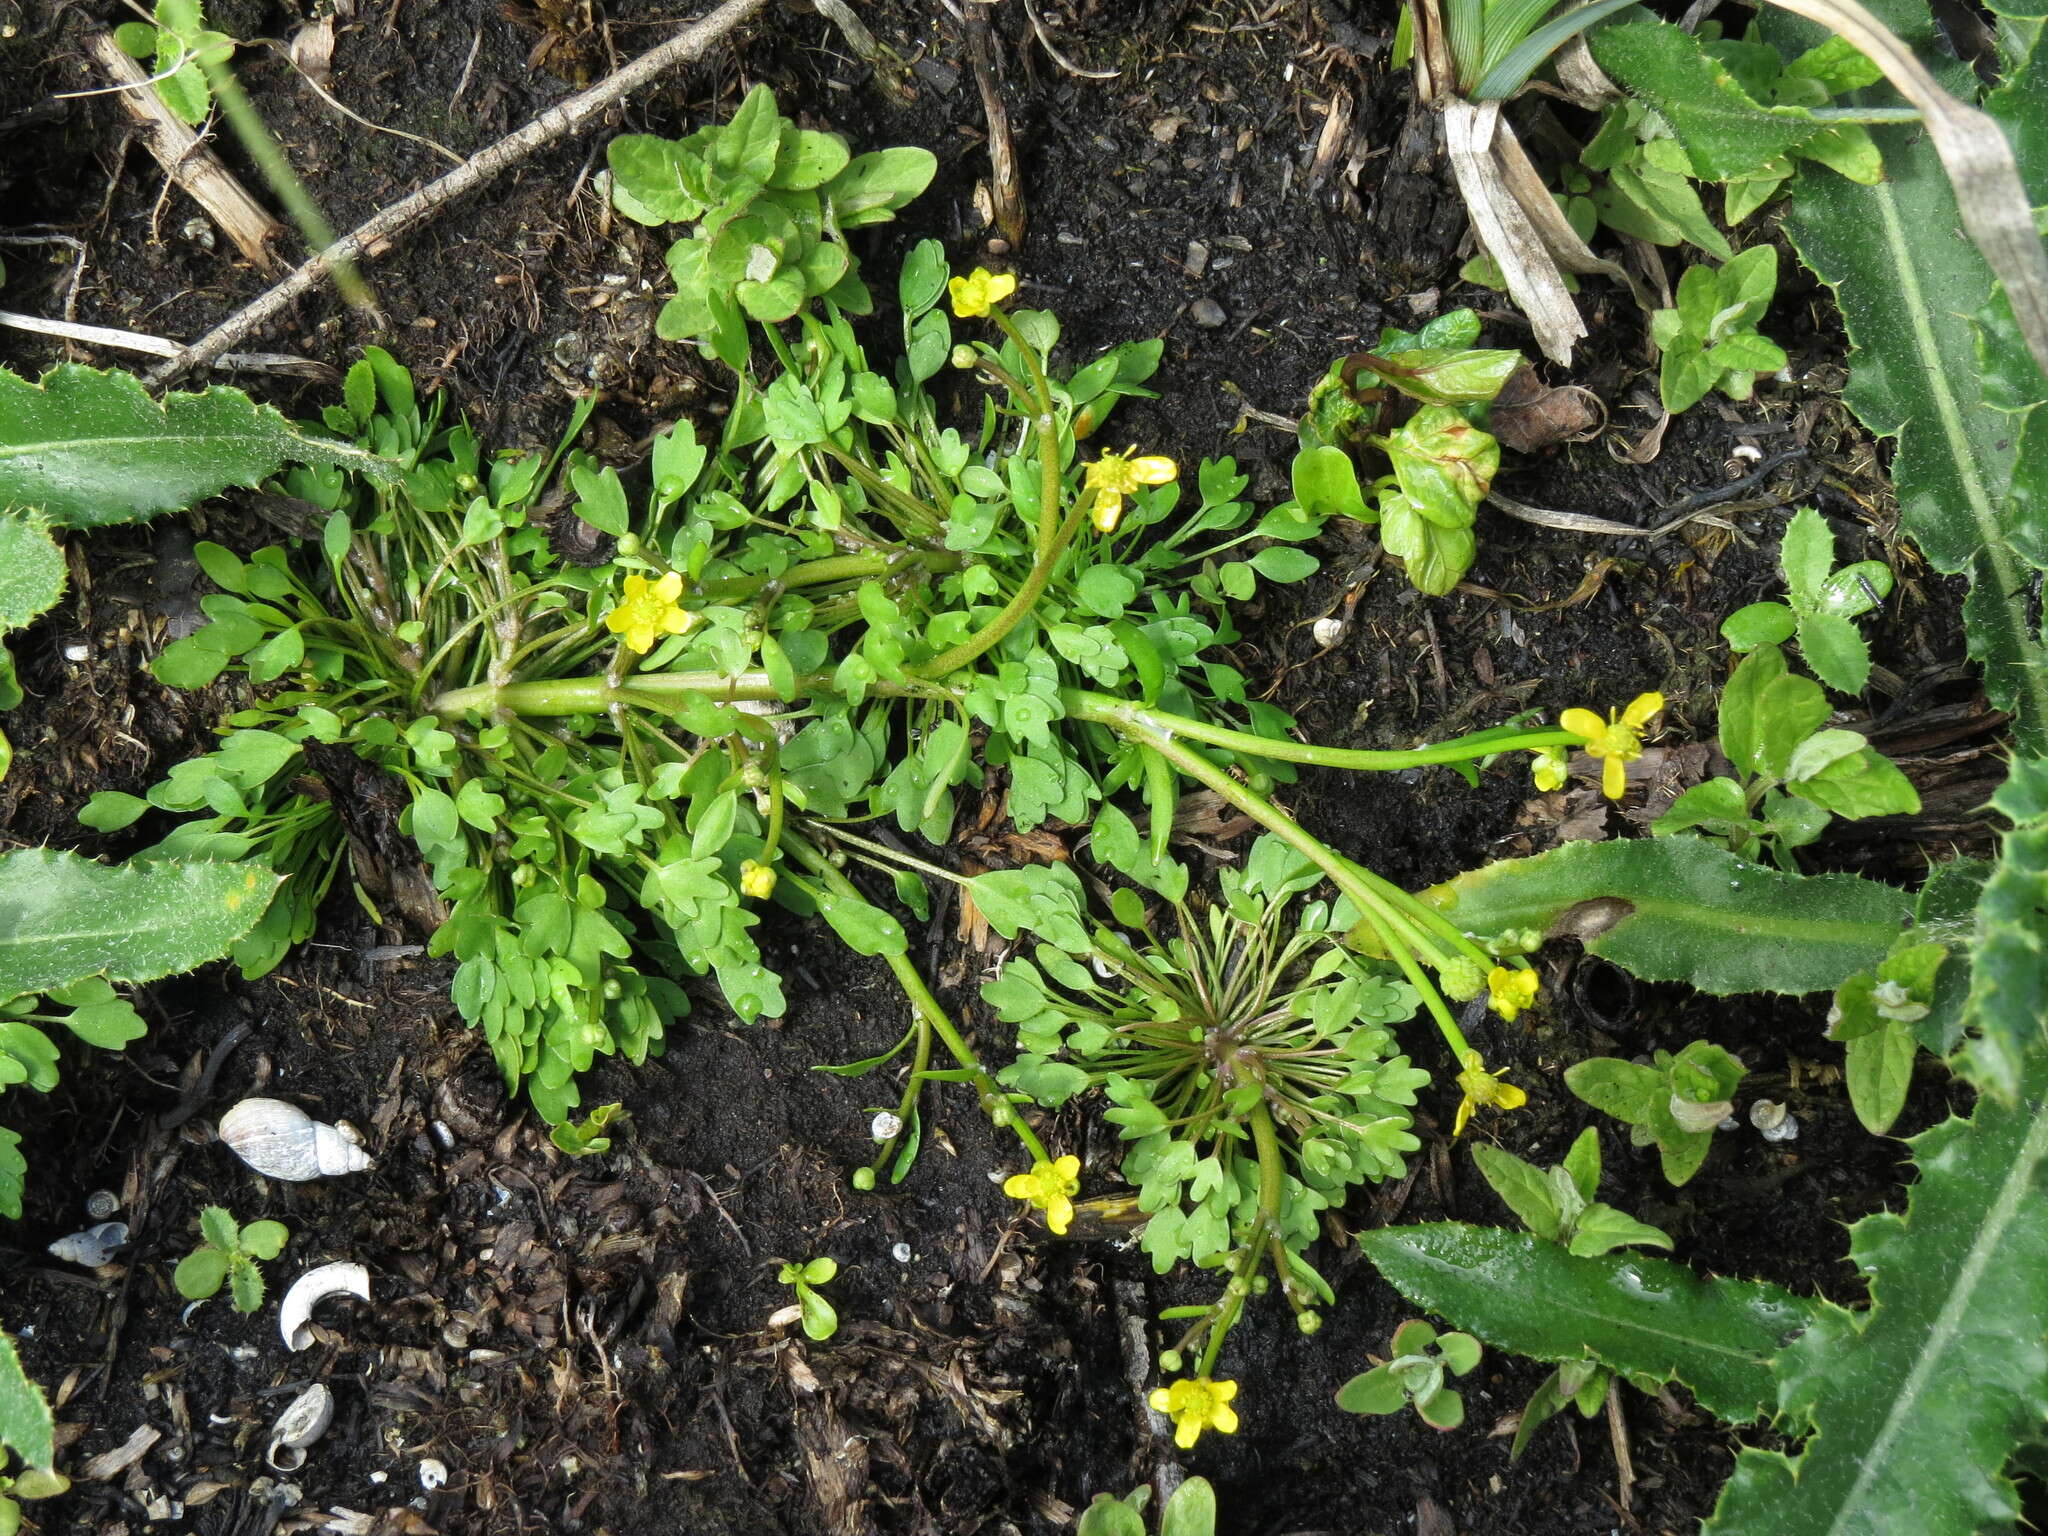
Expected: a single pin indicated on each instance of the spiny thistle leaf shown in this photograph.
(86, 448)
(1679, 909)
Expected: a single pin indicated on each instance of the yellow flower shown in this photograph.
(648, 609)
(1510, 989)
(1051, 1188)
(1483, 1087)
(756, 880)
(1617, 741)
(974, 293)
(1116, 475)
(1195, 1404)
(1551, 768)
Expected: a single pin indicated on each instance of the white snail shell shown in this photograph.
(295, 1313)
(282, 1141)
(92, 1247)
(299, 1426)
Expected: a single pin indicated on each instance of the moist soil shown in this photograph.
(586, 1345)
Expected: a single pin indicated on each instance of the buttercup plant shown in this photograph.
(1415, 1376)
(819, 1317)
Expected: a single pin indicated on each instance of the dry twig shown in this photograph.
(187, 161)
(559, 121)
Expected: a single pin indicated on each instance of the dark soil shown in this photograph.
(583, 1346)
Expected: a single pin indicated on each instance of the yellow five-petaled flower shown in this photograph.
(974, 293)
(1510, 990)
(1116, 475)
(1482, 1087)
(1051, 1188)
(1617, 740)
(650, 609)
(1195, 1404)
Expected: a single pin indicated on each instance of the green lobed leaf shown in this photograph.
(1679, 909)
(86, 448)
(63, 917)
(1639, 1315)
(1917, 1402)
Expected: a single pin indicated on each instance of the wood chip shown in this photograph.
(111, 1464)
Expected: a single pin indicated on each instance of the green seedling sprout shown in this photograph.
(229, 1253)
(1415, 1376)
(820, 1320)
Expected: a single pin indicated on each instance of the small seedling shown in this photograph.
(177, 46)
(1793, 773)
(1821, 606)
(229, 1253)
(1190, 1512)
(1557, 1204)
(1873, 1015)
(820, 1319)
(587, 1137)
(26, 1486)
(1710, 340)
(1677, 1102)
(1581, 1384)
(1415, 1375)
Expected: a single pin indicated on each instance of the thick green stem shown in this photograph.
(951, 661)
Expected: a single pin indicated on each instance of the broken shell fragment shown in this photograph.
(433, 1473)
(295, 1316)
(1699, 1117)
(282, 1141)
(1328, 631)
(299, 1426)
(92, 1247)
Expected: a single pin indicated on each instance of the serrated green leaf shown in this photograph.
(31, 569)
(2006, 1012)
(63, 917)
(1643, 1316)
(87, 448)
(1907, 302)
(26, 1425)
(1918, 1401)
(1683, 910)
(1725, 133)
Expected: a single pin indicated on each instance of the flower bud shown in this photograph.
(1462, 978)
(1261, 1284)
(864, 1179)
(963, 356)
(630, 545)
(612, 990)
(1170, 1362)
(1308, 1322)
(756, 880)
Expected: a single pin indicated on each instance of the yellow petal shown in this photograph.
(1223, 1418)
(1059, 1214)
(669, 588)
(1464, 1117)
(1185, 1434)
(1020, 1186)
(1156, 470)
(1583, 723)
(1641, 709)
(998, 287)
(1068, 1168)
(1161, 1399)
(1222, 1391)
(1613, 778)
(1508, 1096)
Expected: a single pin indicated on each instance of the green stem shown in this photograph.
(950, 661)
(270, 159)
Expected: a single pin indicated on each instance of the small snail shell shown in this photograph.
(299, 1426)
(295, 1314)
(282, 1141)
(92, 1247)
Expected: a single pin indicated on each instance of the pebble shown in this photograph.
(1208, 314)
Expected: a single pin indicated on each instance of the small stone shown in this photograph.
(1208, 314)
(1196, 262)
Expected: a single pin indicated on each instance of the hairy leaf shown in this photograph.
(63, 917)
(1907, 301)
(1641, 1316)
(26, 1427)
(1725, 133)
(1679, 909)
(31, 569)
(87, 448)
(2007, 1010)
(1918, 1401)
